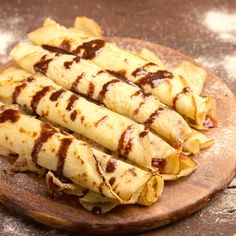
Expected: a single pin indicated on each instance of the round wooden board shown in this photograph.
(27, 193)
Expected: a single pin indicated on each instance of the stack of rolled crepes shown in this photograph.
(125, 137)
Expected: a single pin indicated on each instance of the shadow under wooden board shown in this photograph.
(27, 193)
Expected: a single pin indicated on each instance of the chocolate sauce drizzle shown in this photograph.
(112, 180)
(65, 45)
(150, 77)
(67, 64)
(184, 91)
(100, 120)
(90, 89)
(20, 87)
(71, 103)
(47, 131)
(11, 115)
(56, 50)
(105, 87)
(73, 115)
(125, 147)
(111, 166)
(76, 83)
(121, 76)
(89, 48)
(56, 95)
(42, 65)
(62, 154)
(38, 96)
(142, 93)
(153, 116)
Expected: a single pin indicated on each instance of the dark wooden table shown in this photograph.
(204, 30)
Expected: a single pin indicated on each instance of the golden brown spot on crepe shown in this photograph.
(62, 154)
(89, 49)
(82, 119)
(42, 65)
(132, 171)
(71, 103)
(38, 96)
(9, 115)
(100, 120)
(124, 147)
(22, 130)
(56, 95)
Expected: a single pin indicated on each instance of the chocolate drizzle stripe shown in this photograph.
(73, 115)
(66, 45)
(76, 82)
(121, 76)
(111, 166)
(142, 93)
(100, 120)
(56, 95)
(124, 147)
(91, 88)
(11, 115)
(20, 87)
(38, 96)
(89, 49)
(136, 111)
(62, 154)
(153, 116)
(47, 131)
(183, 92)
(104, 90)
(42, 65)
(150, 77)
(71, 103)
(56, 50)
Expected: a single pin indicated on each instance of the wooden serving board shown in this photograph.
(27, 193)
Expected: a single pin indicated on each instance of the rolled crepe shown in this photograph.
(43, 97)
(109, 129)
(50, 148)
(172, 90)
(84, 77)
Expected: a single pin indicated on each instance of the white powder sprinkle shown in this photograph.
(228, 63)
(222, 23)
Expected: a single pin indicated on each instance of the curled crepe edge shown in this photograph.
(88, 199)
(88, 26)
(188, 166)
(197, 142)
(194, 75)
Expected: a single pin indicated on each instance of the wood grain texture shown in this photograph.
(27, 193)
